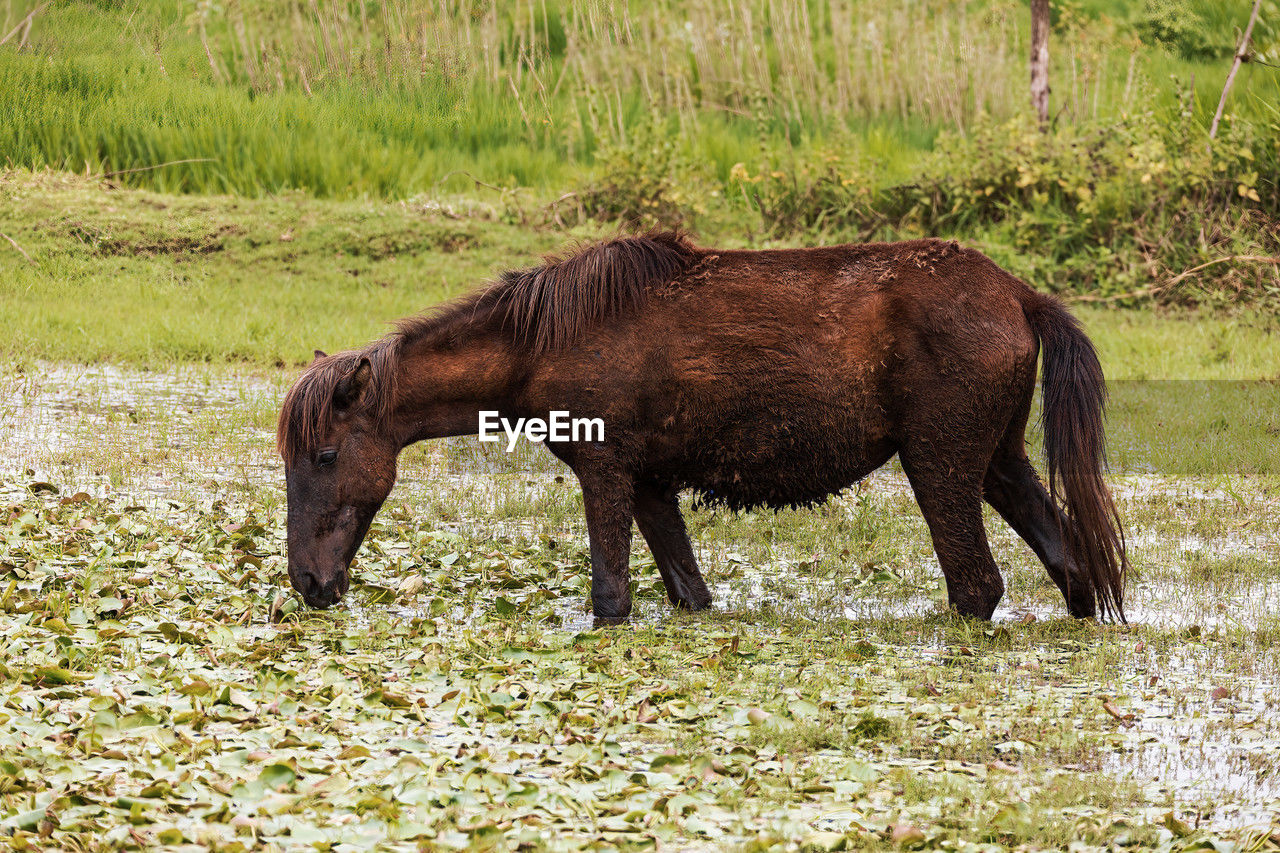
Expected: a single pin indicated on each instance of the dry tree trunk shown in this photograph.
(1040, 59)
(1242, 53)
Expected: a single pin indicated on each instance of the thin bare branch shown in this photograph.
(1253, 259)
(1179, 278)
(14, 243)
(25, 22)
(115, 172)
(1242, 53)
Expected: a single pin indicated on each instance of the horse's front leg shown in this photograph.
(609, 497)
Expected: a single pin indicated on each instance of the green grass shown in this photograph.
(152, 280)
(750, 119)
(221, 279)
(1172, 344)
(393, 99)
(105, 114)
(113, 89)
(158, 281)
(1201, 428)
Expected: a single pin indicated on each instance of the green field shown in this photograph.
(195, 196)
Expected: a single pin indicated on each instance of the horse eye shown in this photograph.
(326, 457)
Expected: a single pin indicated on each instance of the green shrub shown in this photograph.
(1119, 209)
(1177, 26)
(1116, 207)
(647, 180)
(824, 192)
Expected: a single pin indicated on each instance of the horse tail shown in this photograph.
(1074, 395)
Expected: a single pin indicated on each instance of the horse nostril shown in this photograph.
(329, 592)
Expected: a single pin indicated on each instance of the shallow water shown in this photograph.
(1188, 745)
(83, 422)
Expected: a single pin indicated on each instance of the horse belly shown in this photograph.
(776, 456)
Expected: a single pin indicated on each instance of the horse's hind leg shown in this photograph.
(1012, 487)
(658, 517)
(951, 502)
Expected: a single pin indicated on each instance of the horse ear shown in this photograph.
(349, 388)
(319, 355)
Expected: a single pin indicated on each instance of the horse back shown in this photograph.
(779, 377)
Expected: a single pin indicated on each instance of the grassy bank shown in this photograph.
(150, 279)
(153, 279)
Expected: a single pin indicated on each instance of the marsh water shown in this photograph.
(1204, 723)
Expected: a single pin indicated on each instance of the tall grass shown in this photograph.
(803, 66)
(395, 97)
(111, 115)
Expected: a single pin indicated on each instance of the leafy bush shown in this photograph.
(646, 181)
(825, 192)
(1177, 26)
(1118, 207)
(1121, 209)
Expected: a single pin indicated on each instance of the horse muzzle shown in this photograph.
(321, 593)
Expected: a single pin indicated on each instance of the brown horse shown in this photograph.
(752, 378)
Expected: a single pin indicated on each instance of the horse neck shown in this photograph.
(441, 389)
